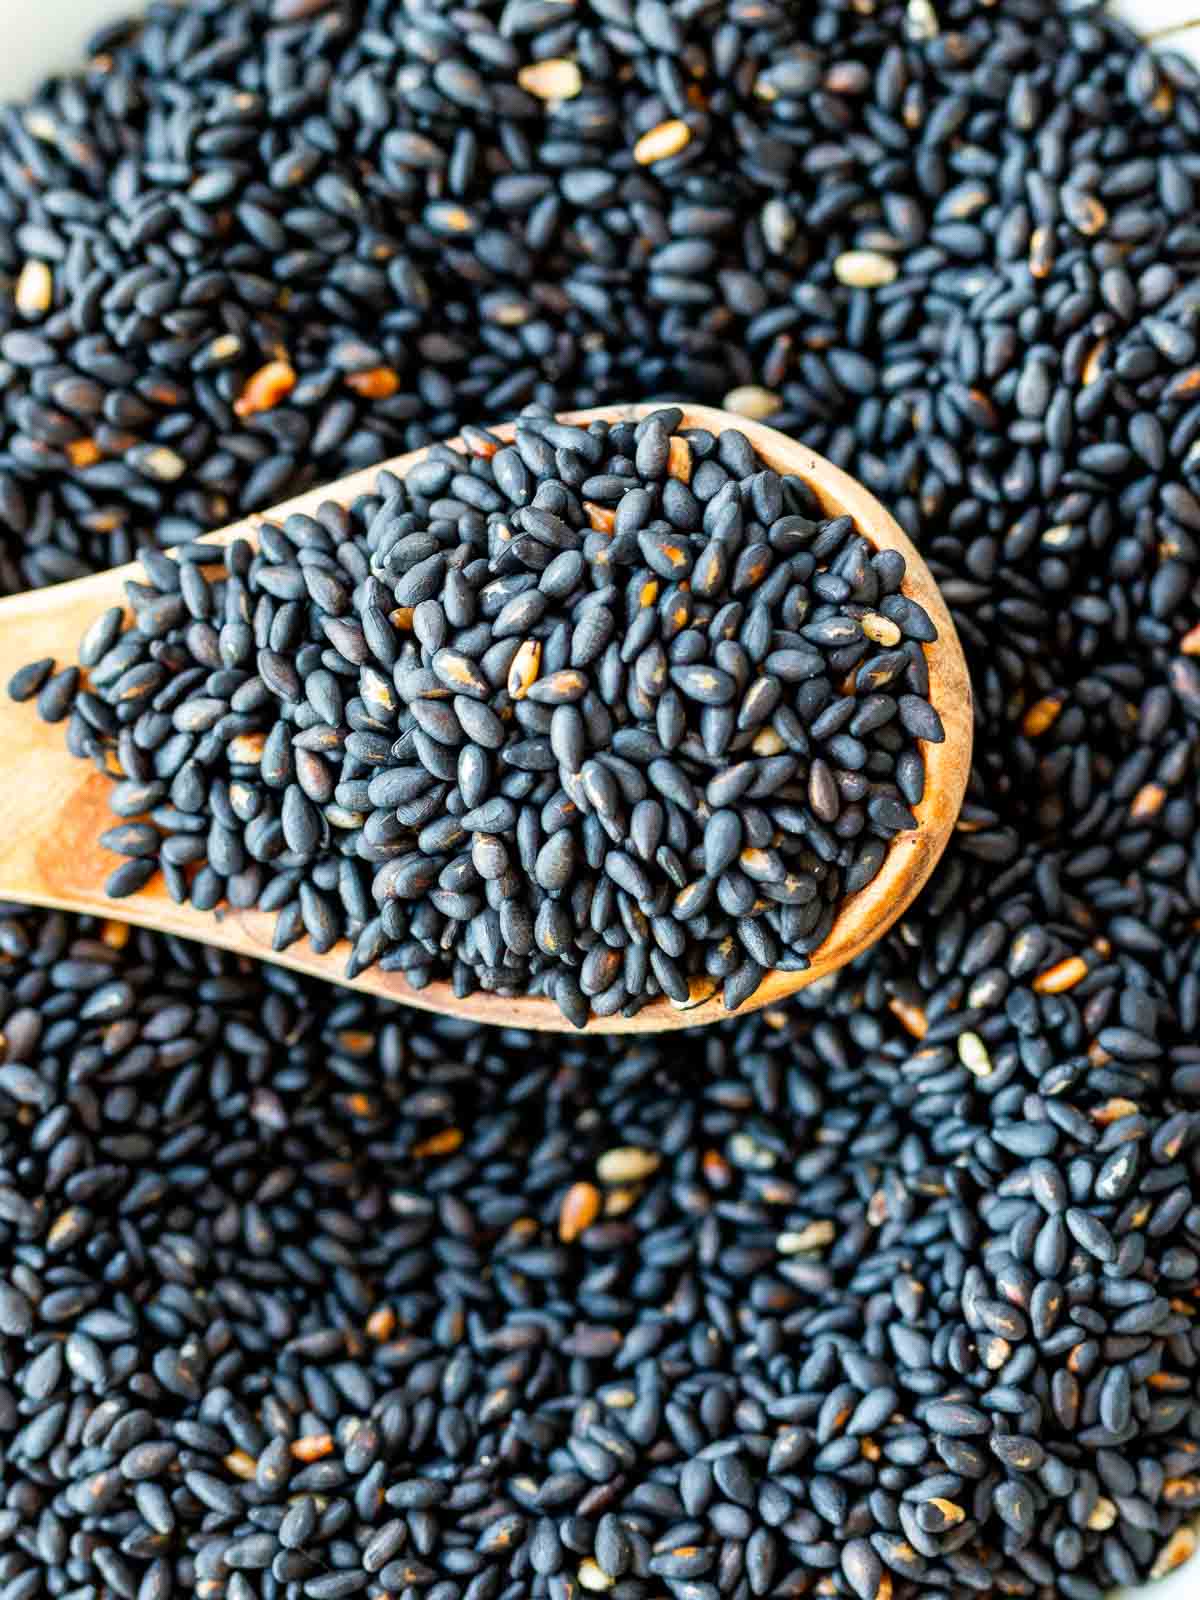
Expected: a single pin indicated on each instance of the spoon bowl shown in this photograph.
(54, 807)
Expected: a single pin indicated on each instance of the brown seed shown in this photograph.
(375, 383)
(665, 140)
(1040, 716)
(265, 388)
(1061, 976)
(83, 452)
(555, 79)
(580, 1208)
(242, 1465)
(1103, 1516)
(439, 1144)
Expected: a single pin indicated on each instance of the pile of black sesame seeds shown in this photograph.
(894, 1293)
(599, 714)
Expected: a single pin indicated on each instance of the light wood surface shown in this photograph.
(53, 807)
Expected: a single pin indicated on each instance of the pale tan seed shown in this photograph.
(1104, 1515)
(556, 79)
(627, 1163)
(224, 347)
(748, 1152)
(998, 1353)
(665, 140)
(592, 1576)
(973, 1054)
(247, 748)
(753, 401)
(767, 743)
(1180, 1547)
(813, 1236)
(920, 20)
(522, 675)
(241, 1464)
(34, 292)
(164, 464)
(339, 817)
(880, 629)
(865, 269)
(618, 1201)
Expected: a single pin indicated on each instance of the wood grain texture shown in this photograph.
(53, 807)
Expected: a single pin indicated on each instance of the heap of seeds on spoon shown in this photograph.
(592, 714)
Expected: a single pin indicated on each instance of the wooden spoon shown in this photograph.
(53, 806)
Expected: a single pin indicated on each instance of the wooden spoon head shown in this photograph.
(49, 854)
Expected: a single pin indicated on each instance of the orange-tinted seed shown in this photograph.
(1092, 366)
(312, 1446)
(911, 1017)
(580, 1208)
(1147, 802)
(1040, 716)
(679, 459)
(381, 1324)
(439, 1144)
(83, 452)
(601, 518)
(1061, 976)
(264, 389)
(376, 383)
